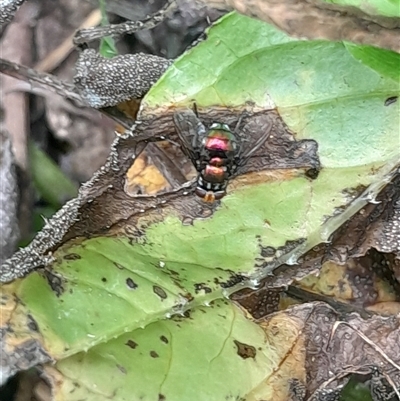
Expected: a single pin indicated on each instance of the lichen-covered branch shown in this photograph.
(88, 35)
(39, 79)
(7, 10)
(99, 82)
(8, 196)
(104, 82)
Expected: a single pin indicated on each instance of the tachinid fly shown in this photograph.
(216, 153)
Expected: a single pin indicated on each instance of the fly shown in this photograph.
(216, 152)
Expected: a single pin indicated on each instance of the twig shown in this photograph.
(52, 60)
(88, 35)
(37, 79)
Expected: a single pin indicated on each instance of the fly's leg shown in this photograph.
(238, 132)
(195, 111)
(87, 35)
(246, 113)
(200, 129)
(243, 114)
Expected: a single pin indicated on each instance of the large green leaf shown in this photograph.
(51, 183)
(226, 355)
(385, 62)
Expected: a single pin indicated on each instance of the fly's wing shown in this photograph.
(191, 133)
(256, 133)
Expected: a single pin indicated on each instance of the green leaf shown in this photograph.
(226, 355)
(107, 44)
(128, 289)
(40, 215)
(107, 47)
(385, 62)
(355, 391)
(51, 183)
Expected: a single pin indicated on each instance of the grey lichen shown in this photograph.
(27, 354)
(7, 10)
(104, 82)
(8, 197)
(389, 240)
(37, 253)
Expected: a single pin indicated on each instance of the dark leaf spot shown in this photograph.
(103, 279)
(122, 369)
(173, 272)
(32, 325)
(268, 251)
(164, 339)
(159, 291)
(244, 350)
(391, 100)
(188, 296)
(72, 256)
(312, 173)
(55, 282)
(161, 397)
(233, 280)
(202, 287)
(131, 284)
(154, 354)
(131, 344)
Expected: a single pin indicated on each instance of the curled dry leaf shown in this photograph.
(375, 226)
(372, 236)
(327, 347)
(383, 229)
(324, 20)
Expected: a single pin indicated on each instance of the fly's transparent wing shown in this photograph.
(255, 133)
(191, 133)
